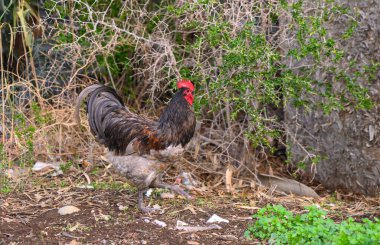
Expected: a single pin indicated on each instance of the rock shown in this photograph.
(216, 219)
(181, 223)
(159, 223)
(122, 207)
(149, 192)
(68, 210)
(106, 217)
(167, 195)
(45, 168)
(85, 186)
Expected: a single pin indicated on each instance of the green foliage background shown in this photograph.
(248, 60)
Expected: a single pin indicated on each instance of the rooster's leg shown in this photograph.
(174, 188)
(141, 204)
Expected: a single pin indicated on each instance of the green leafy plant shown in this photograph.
(65, 167)
(5, 186)
(25, 132)
(277, 225)
(113, 186)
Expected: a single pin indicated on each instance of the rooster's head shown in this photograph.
(188, 89)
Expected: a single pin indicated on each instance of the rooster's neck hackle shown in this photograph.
(178, 120)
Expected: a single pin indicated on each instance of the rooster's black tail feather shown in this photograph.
(101, 100)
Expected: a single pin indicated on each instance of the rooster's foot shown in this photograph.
(174, 188)
(141, 204)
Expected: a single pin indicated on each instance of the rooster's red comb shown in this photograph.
(185, 84)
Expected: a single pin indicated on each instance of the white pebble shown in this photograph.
(68, 210)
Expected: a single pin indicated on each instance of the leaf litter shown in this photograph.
(108, 211)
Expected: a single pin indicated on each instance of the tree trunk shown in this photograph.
(347, 141)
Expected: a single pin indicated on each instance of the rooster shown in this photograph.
(137, 144)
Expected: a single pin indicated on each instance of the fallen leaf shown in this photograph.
(247, 207)
(187, 229)
(227, 237)
(192, 242)
(167, 195)
(86, 163)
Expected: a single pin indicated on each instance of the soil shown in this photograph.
(100, 221)
(109, 216)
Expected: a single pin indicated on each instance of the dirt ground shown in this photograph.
(26, 220)
(108, 213)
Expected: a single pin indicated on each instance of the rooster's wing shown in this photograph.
(115, 126)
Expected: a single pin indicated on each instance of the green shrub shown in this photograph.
(277, 225)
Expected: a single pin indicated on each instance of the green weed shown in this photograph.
(5, 186)
(113, 186)
(277, 225)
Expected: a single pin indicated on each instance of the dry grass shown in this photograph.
(46, 124)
